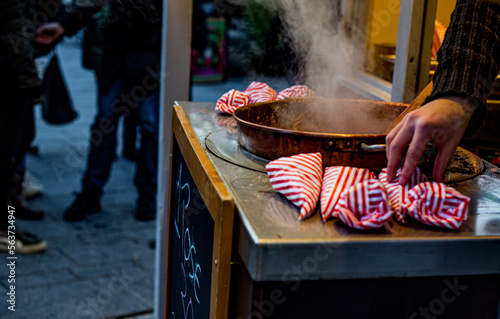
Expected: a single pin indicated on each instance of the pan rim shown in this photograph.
(307, 133)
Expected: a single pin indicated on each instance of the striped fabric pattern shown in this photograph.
(398, 194)
(295, 91)
(439, 205)
(231, 100)
(299, 178)
(338, 179)
(260, 92)
(364, 205)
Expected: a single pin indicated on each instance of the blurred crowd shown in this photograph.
(122, 41)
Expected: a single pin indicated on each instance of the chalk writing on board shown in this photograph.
(190, 268)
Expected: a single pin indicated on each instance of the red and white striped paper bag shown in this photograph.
(299, 178)
(295, 91)
(398, 194)
(337, 180)
(439, 205)
(260, 92)
(231, 100)
(364, 205)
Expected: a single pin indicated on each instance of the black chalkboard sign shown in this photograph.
(191, 246)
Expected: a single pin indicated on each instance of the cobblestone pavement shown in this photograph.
(102, 267)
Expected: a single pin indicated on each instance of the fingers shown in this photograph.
(442, 121)
(43, 40)
(441, 163)
(48, 33)
(390, 137)
(44, 36)
(415, 151)
(397, 142)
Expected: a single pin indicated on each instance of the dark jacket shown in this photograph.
(469, 58)
(18, 74)
(131, 38)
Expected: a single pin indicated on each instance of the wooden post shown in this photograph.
(175, 72)
(413, 49)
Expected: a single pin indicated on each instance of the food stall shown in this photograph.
(230, 246)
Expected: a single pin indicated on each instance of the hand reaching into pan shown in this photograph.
(442, 121)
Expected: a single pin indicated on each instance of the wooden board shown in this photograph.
(191, 245)
(217, 201)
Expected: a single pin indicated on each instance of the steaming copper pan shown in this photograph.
(346, 132)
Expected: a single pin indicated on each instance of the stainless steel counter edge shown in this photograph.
(355, 260)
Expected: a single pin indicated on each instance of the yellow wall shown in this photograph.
(445, 7)
(383, 18)
(382, 25)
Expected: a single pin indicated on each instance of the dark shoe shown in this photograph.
(21, 243)
(83, 206)
(23, 211)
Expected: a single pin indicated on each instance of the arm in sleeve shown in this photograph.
(15, 47)
(469, 58)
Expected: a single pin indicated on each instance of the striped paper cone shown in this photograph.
(295, 91)
(231, 100)
(299, 178)
(398, 194)
(338, 179)
(260, 92)
(436, 204)
(364, 205)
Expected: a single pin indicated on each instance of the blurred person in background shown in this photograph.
(20, 89)
(23, 184)
(128, 80)
(91, 60)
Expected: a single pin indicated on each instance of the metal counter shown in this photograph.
(275, 245)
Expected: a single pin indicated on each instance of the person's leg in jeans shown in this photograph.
(147, 161)
(130, 125)
(102, 153)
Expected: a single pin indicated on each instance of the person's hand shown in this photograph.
(49, 32)
(442, 121)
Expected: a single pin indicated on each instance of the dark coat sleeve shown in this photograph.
(15, 48)
(469, 59)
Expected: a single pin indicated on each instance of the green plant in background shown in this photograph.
(259, 14)
(264, 28)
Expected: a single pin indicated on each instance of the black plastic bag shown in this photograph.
(57, 107)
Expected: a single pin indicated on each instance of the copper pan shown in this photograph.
(346, 132)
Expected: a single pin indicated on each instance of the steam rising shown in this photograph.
(325, 54)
